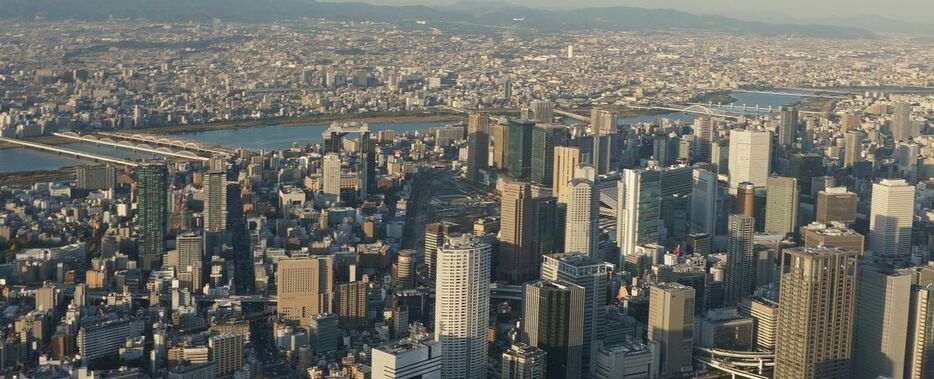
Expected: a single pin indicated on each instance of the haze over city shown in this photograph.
(439, 190)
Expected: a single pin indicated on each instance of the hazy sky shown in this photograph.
(763, 10)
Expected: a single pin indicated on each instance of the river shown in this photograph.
(281, 137)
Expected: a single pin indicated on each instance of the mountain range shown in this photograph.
(473, 15)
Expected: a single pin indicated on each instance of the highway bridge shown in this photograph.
(131, 146)
(69, 152)
(174, 143)
(746, 364)
(572, 115)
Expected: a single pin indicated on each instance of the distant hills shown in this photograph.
(472, 15)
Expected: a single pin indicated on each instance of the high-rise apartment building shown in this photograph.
(152, 211)
(566, 160)
(744, 202)
(351, 299)
(583, 213)
(226, 353)
(788, 127)
(462, 306)
(545, 138)
(781, 207)
(739, 272)
(516, 261)
(95, 177)
(852, 147)
(553, 321)
(522, 361)
(890, 218)
(435, 236)
(305, 287)
(816, 313)
(750, 157)
(671, 327)
(215, 201)
(331, 177)
(592, 275)
(901, 122)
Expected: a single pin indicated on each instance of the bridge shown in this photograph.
(743, 108)
(131, 146)
(795, 94)
(572, 115)
(69, 152)
(736, 363)
(169, 142)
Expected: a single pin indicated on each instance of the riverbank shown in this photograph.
(48, 140)
(372, 118)
(28, 177)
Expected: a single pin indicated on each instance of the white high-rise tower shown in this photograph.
(890, 218)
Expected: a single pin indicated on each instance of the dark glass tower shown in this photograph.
(520, 149)
(152, 207)
(553, 321)
(545, 137)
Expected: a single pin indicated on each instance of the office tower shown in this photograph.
(215, 203)
(305, 287)
(547, 233)
(602, 121)
(744, 203)
(920, 350)
(545, 138)
(901, 122)
(324, 334)
(805, 167)
(836, 204)
(881, 326)
(553, 320)
(671, 327)
(95, 177)
(699, 244)
(624, 360)
(331, 178)
(705, 133)
(189, 250)
(462, 306)
(352, 304)
(516, 261)
(703, 201)
(581, 229)
(407, 359)
(478, 144)
(852, 147)
(592, 275)
(815, 319)
(788, 128)
(781, 207)
(522, 361)
(566, 161)
(639, 211)
(833, 234)
(764, 314)
(519, 156)
(152, 209)
(750, 156)
(724, 328)
(720, 157)
(543, 111)
(500, 134)
(405, 273)
(435, 236)
(890, 217)
(226, 353)
(739, 258)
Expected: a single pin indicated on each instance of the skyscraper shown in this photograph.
(500, 137)
(516, 261)
(331, 177)
(901, 122)
(703, 201)
(592, 275)
(836, 204)
(542, 111)
(478, 141)
(189, 250)
(435, 236)
(781, 207)
(95, 177)
(566, 161)
(852, 147)
(462, 306)
(215, 201)
(152, 213)
(739, 275)
(788, 128)
(705, 133)
(601, 122)
(750, 157)
(815, 319)
(920, 359)
(553, 320)
(405, 271)
(522, 361)
(305, 287)
(545, 138)
(581, 228)
(744, 203)
(890, 218)
(639, 210)
(547, 234)
(519, 156)
(834, 234)
(671, 327)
